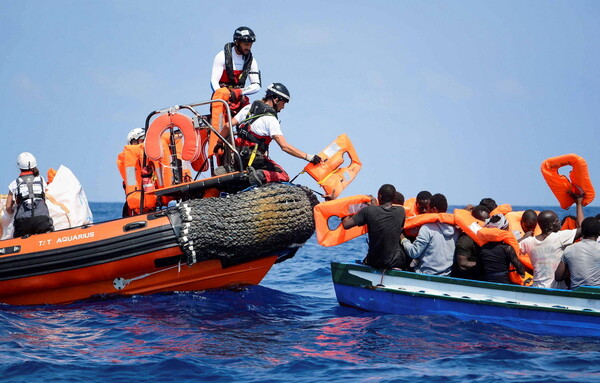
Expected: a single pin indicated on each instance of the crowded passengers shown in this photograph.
(490, 242)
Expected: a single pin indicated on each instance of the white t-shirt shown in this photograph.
(545, 256)
(238, 64)
(263, 126)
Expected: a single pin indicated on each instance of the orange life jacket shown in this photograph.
(421, 219)
(341, 208)
(488, 234)
(129, 162)
(50, 175)
(410, 206)
(468, 224)
(502, 209)
(569, 224)
(514, 223)
(328, 173)
(579, 179)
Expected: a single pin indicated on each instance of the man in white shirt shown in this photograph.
(233, 67)
(581, 261)
(258, 126)
(546, 249)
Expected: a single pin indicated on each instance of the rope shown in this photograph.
(248, 225)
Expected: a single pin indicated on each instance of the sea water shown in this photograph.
(290, 328)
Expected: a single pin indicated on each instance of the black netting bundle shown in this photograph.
(251, 224)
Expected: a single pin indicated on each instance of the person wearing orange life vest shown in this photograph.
(130, 159)
(496, 257)
(233, 67)
(433, 249)
(258, 125)
(467, 261)
(385, 223)
(27, 192)
(546, 249)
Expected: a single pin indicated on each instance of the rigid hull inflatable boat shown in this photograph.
(196, 245)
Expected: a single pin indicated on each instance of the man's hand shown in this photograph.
(313, 159)
(235, 95)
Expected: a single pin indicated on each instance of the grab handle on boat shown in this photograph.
(134, 226)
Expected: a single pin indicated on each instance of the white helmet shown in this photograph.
(135, 134)
(26, 161)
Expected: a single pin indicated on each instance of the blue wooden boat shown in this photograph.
(531, 309)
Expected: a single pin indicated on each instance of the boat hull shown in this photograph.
(136, 255)
(525, 308)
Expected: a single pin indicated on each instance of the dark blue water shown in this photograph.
(288, 329)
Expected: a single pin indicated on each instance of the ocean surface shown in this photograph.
(290, 328)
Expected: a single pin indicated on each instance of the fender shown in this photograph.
(328, 173)
(342, 207)
(579, 179)
(191, 139)
(488, 234)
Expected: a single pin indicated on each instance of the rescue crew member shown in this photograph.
(234, 66)
(135, 137)
(258, 126)
(27, 192)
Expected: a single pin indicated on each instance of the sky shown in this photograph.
(463, 98)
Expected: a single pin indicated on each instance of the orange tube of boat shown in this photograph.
(579, 179)
(328, 173)
(341, 208)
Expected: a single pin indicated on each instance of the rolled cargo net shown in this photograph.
(273, 219)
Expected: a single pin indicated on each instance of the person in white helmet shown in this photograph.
(27, 199)
(258, 125)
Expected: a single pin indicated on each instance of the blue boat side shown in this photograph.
(356, 289)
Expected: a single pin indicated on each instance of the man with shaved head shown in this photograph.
(546, 249)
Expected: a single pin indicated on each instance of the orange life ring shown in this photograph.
(421, 219)
(153, 146)
(560, 185)
(341, 208)
(468, 224)
(328, 173)
(129, 162)
(488, 234)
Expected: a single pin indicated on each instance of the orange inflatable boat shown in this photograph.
(204, 241)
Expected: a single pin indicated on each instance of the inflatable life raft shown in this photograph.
(196, 245)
